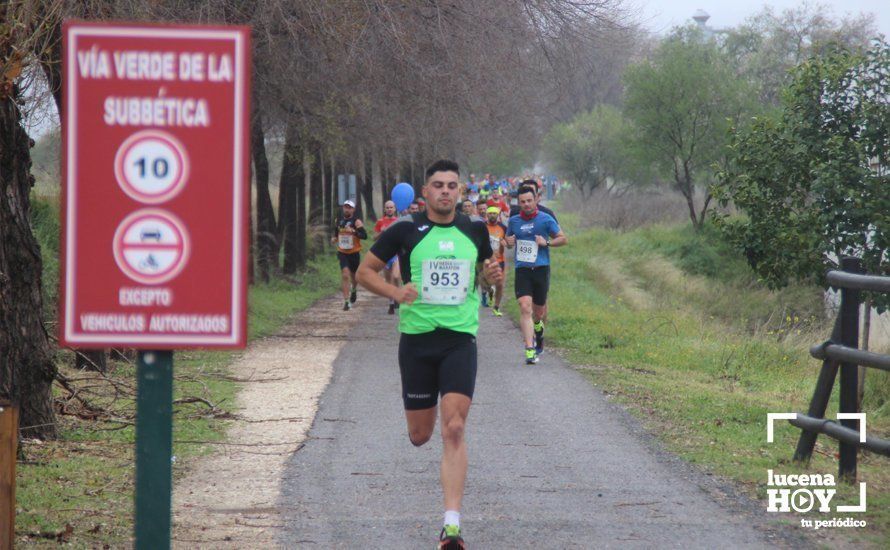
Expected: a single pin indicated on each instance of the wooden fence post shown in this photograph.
(849, 402)
(9, 422)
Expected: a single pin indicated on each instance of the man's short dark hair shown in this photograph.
(442, 165)
(533, 189)
(530, 183)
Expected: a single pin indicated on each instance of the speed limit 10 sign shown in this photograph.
(156, 174)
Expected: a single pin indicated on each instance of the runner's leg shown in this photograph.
(538, 312)
(455, 408)
(499, 288)
(346, 280)
(526, 325)
(420, 425)
(396, 273)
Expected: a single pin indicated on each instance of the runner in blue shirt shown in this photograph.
(532, 233)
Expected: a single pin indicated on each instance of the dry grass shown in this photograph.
(628, 209)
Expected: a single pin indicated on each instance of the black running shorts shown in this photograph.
(534, 282)
(349, 261)
(435, 363)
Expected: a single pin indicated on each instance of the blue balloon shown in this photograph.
(403, 196)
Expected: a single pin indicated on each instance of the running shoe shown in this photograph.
(450, 539)
(353, 296)
(346, 306)
(496, 311)
(539, 337)
(531, 357)
(392, 309)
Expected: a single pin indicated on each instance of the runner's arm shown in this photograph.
(368, 275)
(558, 239)
(360, 230)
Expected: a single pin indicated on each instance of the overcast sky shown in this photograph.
(660, 15)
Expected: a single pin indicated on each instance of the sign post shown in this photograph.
(155, 209)
(154, 448)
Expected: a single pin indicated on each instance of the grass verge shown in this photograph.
(673, 325)
(79, 490)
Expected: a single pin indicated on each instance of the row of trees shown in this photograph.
(686, 97)
(785, 119)
(377, 88)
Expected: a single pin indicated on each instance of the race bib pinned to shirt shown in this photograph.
(346, 241)
(526, 251)
(495, 243)
(445, 282)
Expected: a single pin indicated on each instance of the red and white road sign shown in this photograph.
(151, 246)
(151, 166)
(156, 181)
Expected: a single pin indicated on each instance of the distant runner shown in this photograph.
(532, 232)
(347, 235)
(468, 208)
(481, 209)
(442, 254)
(496, 234)
(531, 185)
(391, 271)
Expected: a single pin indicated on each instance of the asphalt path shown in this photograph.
(553, 463)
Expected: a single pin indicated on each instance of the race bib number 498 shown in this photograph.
(445, 282)
(526, 251)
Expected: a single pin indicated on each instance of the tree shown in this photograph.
(266, 232)
(591, 150)
(26, 367)
(768, 45)
(813, 181)
(682, 102)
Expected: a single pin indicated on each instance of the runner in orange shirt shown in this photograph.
(497, 232)
(347, 234)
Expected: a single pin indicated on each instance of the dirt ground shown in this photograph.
(229, 499)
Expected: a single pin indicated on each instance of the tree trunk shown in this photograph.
(704, 208)
(687, 188)
(330, 193)
(368, 185)
(386, 188)
(362, 186)
(283, 200)
(300, 189)
(291, 176)
(316, 190)
(376, 178)
(26, 367)
(266, 233)
(327, 188)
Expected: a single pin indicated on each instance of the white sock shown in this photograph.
(452, 517)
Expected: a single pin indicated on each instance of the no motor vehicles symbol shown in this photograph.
(151, 246)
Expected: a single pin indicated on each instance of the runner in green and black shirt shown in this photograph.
(441, 255)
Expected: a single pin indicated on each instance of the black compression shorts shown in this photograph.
(349, 261)
(435, 363)
(534, 282)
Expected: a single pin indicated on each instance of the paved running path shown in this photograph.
(553, 463)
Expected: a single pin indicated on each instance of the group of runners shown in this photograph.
(438, 264)
(527, 222)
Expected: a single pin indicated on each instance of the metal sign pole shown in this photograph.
(154, 448)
